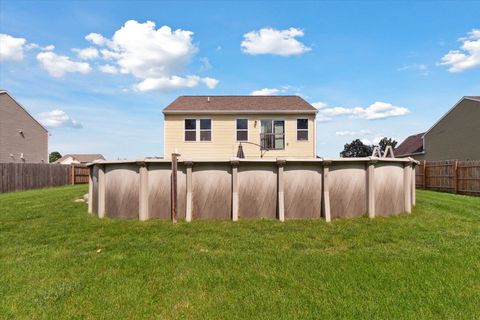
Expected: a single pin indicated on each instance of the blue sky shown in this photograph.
(372, 68)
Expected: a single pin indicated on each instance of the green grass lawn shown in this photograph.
(57, 261)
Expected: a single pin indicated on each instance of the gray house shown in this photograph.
(22, 138)
(455, 136)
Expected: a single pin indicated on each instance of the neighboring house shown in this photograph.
(455, 136)
(79, 158)
(213, 127)
(22, 138)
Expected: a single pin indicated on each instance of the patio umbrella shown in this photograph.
(240, 152)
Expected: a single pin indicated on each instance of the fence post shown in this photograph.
(371, 188)
(326, 190)
(413, 186)
(406, 187)
(235, 164)
(280, 188)
(455, 177)
(90, 189)
(143, 192)
(424, 174)
(188, 205)
(173, 192)
(101, 191)
(72, 174)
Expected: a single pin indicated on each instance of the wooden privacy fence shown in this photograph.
(79, 174)
(25, 176)
(453, 176)
(244, 189)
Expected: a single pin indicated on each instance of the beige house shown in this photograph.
(22, 138)
(455, 136)
(216, 127)
(79, 158)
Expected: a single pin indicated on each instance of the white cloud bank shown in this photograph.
(466, 58)
(265, 92)
(57, 65)
(272, 41)
(155, 56)
(11, 48)
(87, 53)
(377, 110)
(108, 68)
(174, 82)
(351, 133)
(57, 119)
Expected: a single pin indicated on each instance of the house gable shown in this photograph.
(457, 134)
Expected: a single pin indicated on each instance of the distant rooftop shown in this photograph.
(82, 157)
(413, 144)
(232, 104)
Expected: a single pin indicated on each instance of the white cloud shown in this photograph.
(272, 41)
(11, 48)
(56, 119)
(30, 46)
(97, 39)
(50, 47)
(155, 56)
(351, 133)
(57, 65)
(466, 58)
(374, 140)
(421, 68)
(210, 82)
(380, 110)
(320, 105)
(173, 83)
(265, 92)
(205, 64)
(87, 53)
(109, 55)
(108, 68)
(377, 110)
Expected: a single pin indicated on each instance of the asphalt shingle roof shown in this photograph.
(239, 103)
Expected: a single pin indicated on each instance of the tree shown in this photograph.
(387, 142)
(356, 149)
(54, 156)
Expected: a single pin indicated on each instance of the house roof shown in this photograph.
(82, 157)
(2, 91)
(413, 144)
(239, 104)
(476, 98)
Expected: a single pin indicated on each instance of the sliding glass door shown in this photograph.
(272, 134)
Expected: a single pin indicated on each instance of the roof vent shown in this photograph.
(208, 99)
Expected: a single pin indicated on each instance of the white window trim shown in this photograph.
(308, 129)
(235, 131)
(197, 130)
(185, 129)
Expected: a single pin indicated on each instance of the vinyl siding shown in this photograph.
(34, 142)
(224, 144)
(456, 136)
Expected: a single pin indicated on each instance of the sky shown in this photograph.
(99, 73)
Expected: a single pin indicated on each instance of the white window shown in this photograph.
(190, 130)
(302, 129)
(242, 129)
(205, 130)
(203, 126)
